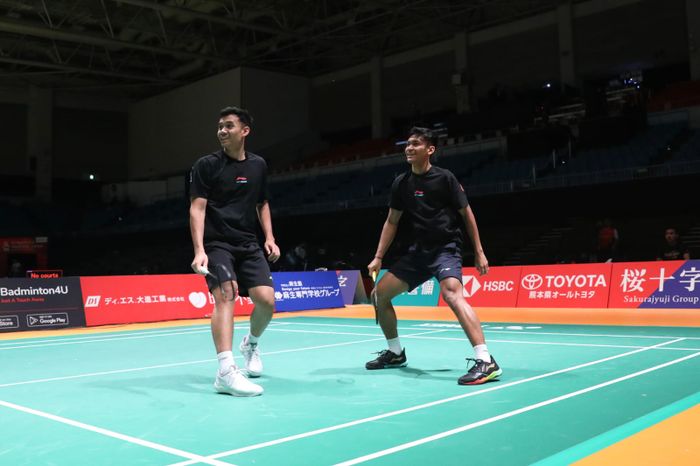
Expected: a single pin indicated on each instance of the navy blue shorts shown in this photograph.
(419, 265)
(246, 265)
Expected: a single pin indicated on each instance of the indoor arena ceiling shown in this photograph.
(136, 48)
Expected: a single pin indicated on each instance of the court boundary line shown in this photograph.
(195, 330)
(486, 329)
(448, 433)
(119, 436)
(94, 340)
(344, 425)
(552, 343)
(417, 336)
(64, 338)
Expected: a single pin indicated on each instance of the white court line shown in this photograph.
(514, 332)
(119, 336)
(323, 430)
(525, 409)
(378, 337)
(101, 337)
(93, 340)
(133, 335)
(200, 361)
(106, 335)
(651, 337)
(109, 433)
(551, 343)
(463, 339)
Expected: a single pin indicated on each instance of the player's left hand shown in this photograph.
(481, 263)
(272, 251)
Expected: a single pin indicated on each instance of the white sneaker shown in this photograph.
(251, 355)
(235, 383)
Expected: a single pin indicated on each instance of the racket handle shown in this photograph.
(374, 276)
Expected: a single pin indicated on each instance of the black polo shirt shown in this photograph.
(431, 202)
(233, 189)
(673, 252)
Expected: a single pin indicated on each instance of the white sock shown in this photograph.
(225, 361)
(395, 345)
(482, 352)
(252, 340)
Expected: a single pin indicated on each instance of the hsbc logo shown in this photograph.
(471, 286)
(92, 301)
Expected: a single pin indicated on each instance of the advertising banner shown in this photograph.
(298, 291)
(498, 288)
(668, 284)
(565, 285)
(36, 304)
(149, 298)
(425, 294)
(351, 287)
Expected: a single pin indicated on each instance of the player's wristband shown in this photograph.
(377, 257)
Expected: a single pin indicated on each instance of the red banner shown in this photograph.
(498, 288)
(149, 298)
(565, 285)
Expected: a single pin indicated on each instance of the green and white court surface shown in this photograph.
(145, 396)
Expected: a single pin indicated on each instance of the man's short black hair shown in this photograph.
(241, 113)
(426, 134)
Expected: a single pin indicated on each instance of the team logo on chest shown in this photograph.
(419, 193)
(241, 180)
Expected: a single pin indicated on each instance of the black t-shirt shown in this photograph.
(431, 202)
(673, 253)
(233, 189)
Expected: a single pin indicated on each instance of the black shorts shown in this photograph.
(419, 265)
(244, 264)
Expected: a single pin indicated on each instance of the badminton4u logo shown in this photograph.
(241, 180)
(419, 193)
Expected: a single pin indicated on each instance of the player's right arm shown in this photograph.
(198, 207)
(385, 239)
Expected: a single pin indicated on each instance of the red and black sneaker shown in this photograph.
(480, 372)
(387, 359)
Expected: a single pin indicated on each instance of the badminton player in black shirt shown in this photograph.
(229, 199)
(435, 204)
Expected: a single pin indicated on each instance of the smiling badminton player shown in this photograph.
(435, 204)
(228, 191)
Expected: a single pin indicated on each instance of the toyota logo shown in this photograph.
(532, 281)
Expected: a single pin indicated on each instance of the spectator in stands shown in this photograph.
(16, 269)
(296, 259)
(673, 249)
(320, 259)
(435, 205)
(346, 263)
(608, 242)
(229, 202)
